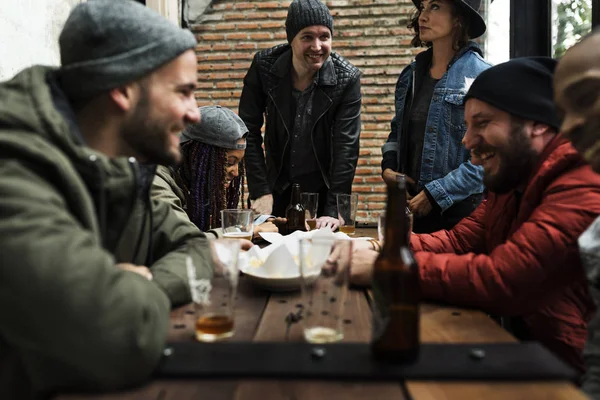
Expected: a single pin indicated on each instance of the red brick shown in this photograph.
(221, 46)
(226, 85)
(272, 25)
(272, 4)
(375, 206)
(224, 27)
(241, 56)
(366, 171)
(259, 15)
(215, 57)
(280, 15)
(373, 179)
(205, 85)
(238, 36)
(203, 47)
(211, 36)
(221, 95)
(261, 36)
(233, 15)
(246, 26)
(245, 46)
(244, 6)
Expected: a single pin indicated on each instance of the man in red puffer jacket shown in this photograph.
(516, 255)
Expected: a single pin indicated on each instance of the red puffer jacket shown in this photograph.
(520, 258)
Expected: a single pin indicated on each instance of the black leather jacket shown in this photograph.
(335, 133)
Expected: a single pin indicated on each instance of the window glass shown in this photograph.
(497, 37)
(571, 20)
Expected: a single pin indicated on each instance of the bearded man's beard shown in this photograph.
(515, 161)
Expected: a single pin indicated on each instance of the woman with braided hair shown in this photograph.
(210, 177)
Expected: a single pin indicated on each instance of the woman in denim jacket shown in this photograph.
(425, 141)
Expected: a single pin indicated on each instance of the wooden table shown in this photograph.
(260, 316)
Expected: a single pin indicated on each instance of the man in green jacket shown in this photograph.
(90, 266)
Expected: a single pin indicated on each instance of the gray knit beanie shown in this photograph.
(303, 13)
(218, 126)
(107, 43)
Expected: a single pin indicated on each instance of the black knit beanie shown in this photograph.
(521, 87)
(303, 13)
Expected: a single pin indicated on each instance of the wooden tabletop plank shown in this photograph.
(445, 324)
(494, 391)
(250, 303)
(357, 328)
(357, 321)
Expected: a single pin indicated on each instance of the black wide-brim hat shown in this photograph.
(470, 9)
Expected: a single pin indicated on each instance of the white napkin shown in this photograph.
(280, 260)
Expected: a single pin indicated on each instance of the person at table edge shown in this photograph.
(89, 266)
(576, 85)
(516, 255)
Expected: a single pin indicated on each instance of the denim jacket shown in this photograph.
(446, 170)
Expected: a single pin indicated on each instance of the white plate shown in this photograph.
(276, 284)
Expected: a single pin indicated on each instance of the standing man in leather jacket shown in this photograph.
(309, 99)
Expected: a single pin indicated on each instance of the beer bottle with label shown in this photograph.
(295, 212)
(396, 290)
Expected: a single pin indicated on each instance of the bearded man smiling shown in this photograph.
(516, 255)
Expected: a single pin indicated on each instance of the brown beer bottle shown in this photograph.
(295, 212)
(396, 290)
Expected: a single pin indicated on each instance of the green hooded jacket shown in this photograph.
(69, 318)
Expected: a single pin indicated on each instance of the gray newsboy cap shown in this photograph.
(107, 43)
(218, 126)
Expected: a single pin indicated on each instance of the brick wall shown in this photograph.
(371, 34)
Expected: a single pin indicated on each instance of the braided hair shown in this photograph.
(201, 174)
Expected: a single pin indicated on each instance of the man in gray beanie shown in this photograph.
(516, 255)
(90, 265)
(311, 98)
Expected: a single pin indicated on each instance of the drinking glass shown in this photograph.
(347, 205)
(325, 271)
(381, 225)
(214, 298)
(237, 223)
(310, 202)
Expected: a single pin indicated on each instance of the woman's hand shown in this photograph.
(324, 222)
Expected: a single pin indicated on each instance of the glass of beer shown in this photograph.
(381, 225)
(214, 298)
(237, 223)
(325, 271)
(347, 205)
(310, 201)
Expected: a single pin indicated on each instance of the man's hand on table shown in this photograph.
(264, 227)
(138, 269)
(330, 222)
(361, 271)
